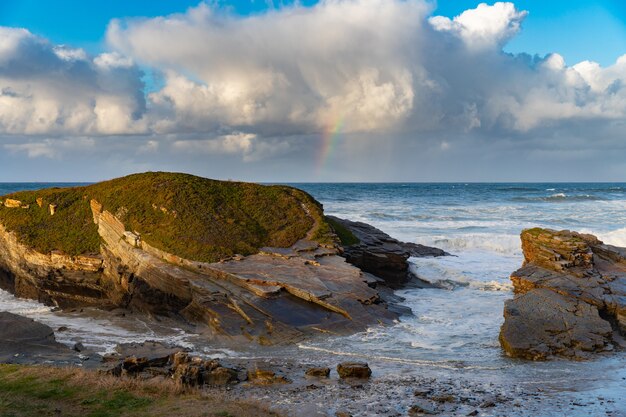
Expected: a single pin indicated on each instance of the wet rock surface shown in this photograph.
(23, 340)
(381, 255)
(570, 297)
(322, 372)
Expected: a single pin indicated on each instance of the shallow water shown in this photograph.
(453, 332)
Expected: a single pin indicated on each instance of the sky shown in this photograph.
(336, 90)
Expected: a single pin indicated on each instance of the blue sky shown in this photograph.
(573, 28)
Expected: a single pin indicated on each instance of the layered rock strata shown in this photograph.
(276, 296)
(381, 255)
(570, 297)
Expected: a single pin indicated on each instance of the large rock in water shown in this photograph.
(570, 297)
(381, 255)
(249, 262)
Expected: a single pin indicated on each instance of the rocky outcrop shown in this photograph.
(380, 254)
(52, 279)
(570, 297)
(180, 366)
(279, 295)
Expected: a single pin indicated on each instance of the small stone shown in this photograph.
(266, 377)
(354, 370)
(488, 404)
(318, 372)
(446, 398)
(473, 413)
(220, 376)
(421, 409)
(79, 347)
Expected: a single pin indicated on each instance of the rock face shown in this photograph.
(570, 297)
(380, 254)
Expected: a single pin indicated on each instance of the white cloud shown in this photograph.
(50, 148)
(247, 145)
(58, 90)
(374, 65)
(483, 27)
(296, 69)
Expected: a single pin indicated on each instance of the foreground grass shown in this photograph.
(27, 391)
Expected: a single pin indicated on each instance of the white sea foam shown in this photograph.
(487, 243)
(615, 237)
(97, 333)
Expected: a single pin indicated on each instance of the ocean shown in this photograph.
(453, 329)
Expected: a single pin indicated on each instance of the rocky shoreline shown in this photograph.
(569, 303)
(278, 295)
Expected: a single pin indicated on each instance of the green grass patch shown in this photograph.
(192, 217)
(344, 234)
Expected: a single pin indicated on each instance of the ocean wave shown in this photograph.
(499, 243)
(451, 284)
(560, 197)
(615, 237)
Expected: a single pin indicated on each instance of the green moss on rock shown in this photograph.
(192, 217)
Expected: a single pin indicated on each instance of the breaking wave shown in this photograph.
(560, 197)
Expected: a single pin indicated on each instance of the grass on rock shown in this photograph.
(192, 217)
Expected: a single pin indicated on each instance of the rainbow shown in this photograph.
(328, 141)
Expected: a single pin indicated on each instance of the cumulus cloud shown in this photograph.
(48, 89)
(483, 27)
(293, 70)
(374, 65)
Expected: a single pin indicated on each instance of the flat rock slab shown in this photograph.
(23, 340)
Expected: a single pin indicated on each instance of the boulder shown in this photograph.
(23, 340)
(542, 323)
(570, 297)
(354, 370)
